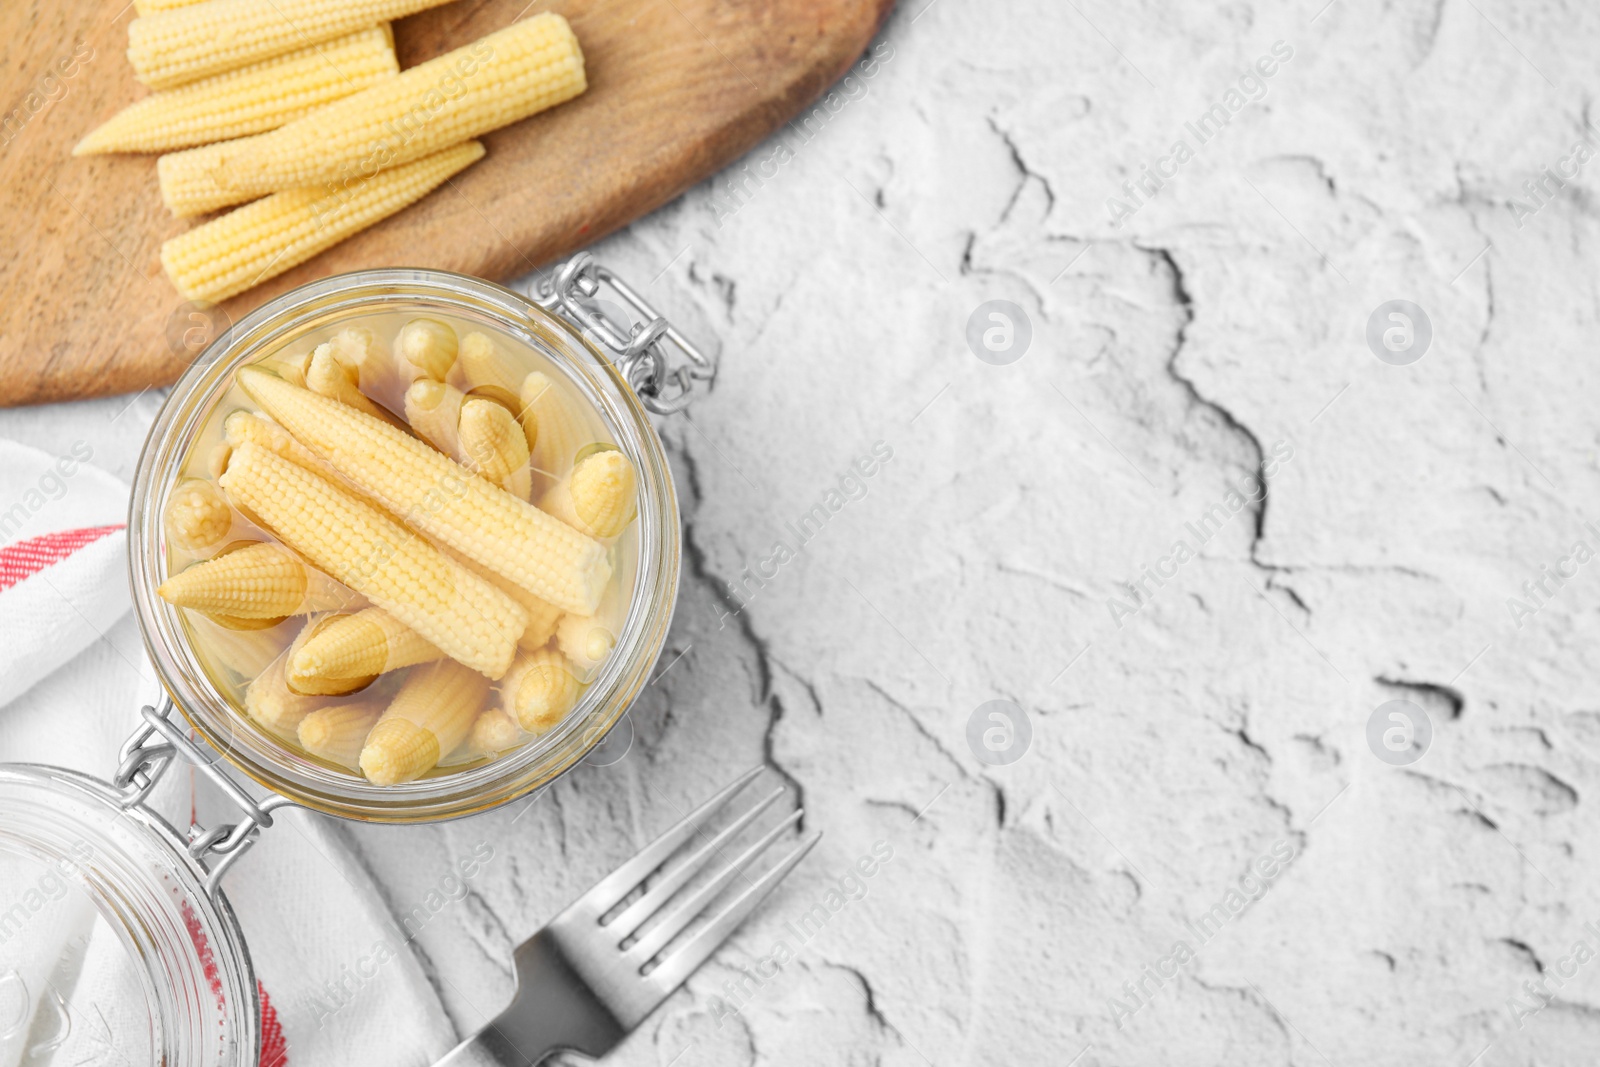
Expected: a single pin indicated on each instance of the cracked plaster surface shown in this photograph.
(1171, 748)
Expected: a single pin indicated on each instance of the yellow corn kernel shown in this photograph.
(492, 446)
(486, 365)
(430, 716)
(331, 378)
(598, 498)
(357, 544)
(425, 348)
(348, 649)
(338, 732)
(250, 100)
(480, 521)
(555, 429)
(269, 700)
(171, 47)
(262, 240)
(540, 689)
(510, 74)
(493, 732)
(188, 179)
(584, 640)
(259, 581)
(197, 516)
(434, 411)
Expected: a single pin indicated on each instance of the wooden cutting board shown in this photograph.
(677, 90)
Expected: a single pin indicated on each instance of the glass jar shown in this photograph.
(74, 849)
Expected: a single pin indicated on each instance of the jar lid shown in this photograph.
(111, 947)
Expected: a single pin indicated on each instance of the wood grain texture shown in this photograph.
(677, 89)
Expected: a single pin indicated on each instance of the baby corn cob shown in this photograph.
(599, 496)
(197, 517)
(554, 428)
(523, 69)
(217, 458)
(494, 731)
(492, 445)
(338, 732)
(260, 581)
(425, 348)
(336, 380)
(400, 572)
(269, 701)
(485, 364)
(357, 348)
(168, 48)
(510, 537)
(356, 648)
(540, 689)
(244, 426)
(262, 240)
(188, 179)
(253, 99)
(430, 716)
(542, 615)
(434, 410)
(584, 640)
(243, 653)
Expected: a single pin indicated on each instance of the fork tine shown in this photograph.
(647, 946)
(636, 913)
(620, 882)
(678, 966)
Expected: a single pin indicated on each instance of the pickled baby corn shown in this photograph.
(493, 732)
(197, 517)
(352, 541)
(337, 381)
(185, 43)
(510, 74)
(262, 240)
(554, 429)
(430, 716)
(349, 650)
(599, 496)
(540, 689)
(509, 536)
(250, 100)
(485, 365)
(337, 733)
(269, 700)
(492, 446)
(584, 640)
(434, 411)
(260, 581)
(426, 348)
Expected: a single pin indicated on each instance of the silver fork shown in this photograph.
(583, 981)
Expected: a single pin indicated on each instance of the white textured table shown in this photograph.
(1091, 898)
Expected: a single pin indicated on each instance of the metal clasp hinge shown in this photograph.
(637, 348)
(145, 757)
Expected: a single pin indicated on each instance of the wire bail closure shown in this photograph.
(146, 756)
(638, 348)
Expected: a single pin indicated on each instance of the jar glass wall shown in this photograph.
(648, 554)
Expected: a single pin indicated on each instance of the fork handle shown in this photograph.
(553, 1010)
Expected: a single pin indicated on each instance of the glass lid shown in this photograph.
(111, 950)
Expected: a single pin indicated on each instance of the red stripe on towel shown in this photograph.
(27, 558)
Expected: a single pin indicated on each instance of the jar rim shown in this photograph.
(618, 680)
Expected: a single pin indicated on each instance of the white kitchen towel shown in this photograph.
(72, 677)
(63, 560)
